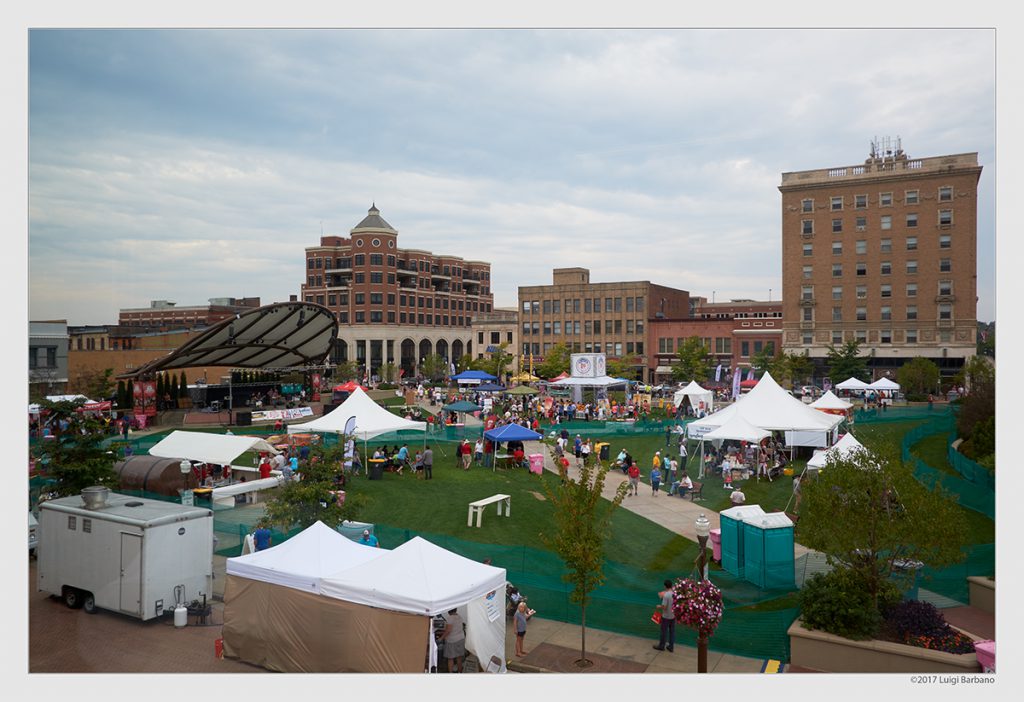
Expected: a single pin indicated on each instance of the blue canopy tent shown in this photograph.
(511, 432)
(472, 377)
(490, 387)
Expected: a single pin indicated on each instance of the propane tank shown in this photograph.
(180, 616)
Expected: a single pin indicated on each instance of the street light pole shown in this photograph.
(703, 529)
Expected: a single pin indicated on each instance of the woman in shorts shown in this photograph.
(520, 621)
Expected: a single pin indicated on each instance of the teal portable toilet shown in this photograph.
(768, 551)
(731, 523)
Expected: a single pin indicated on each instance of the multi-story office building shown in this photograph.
(164, 315)
(884, 253)
(395, 305)
(47, 357)
(594, 317)
(492, 330)
(733, 332)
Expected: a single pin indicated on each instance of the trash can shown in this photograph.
(716, 545)
(536, 463)
(377, 471)
(603, 451)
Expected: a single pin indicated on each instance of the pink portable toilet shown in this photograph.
(986, 653)
(716, 544)
(536, 463)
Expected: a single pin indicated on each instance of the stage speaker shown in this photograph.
(243, 418)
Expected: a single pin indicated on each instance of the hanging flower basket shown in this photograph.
(698, 604)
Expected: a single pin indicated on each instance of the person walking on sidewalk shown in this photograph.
(520, 621)
(655, 481)
(428, 463)
(634, 478)
(668, 620)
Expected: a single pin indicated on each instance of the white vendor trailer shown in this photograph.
(126, 554)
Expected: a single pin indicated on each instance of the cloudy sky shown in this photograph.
(190, 164)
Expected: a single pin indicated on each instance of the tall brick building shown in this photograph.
(395, 305)
(884, 253)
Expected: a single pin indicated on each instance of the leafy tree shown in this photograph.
(582, 524)
(94, 384)
(766, 360)
(867, 512)
(75, 458)
(918, 376)
(345, 371)
(799, 366)
(556, 362)
(463, 362)
(693, 363)
(183, 386)
(497, 363)
(618, 368)
(846, 362)
(977, 408)
(301, 504)
(388, 372)
(435, 368)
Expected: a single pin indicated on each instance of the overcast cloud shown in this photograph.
(190, 164)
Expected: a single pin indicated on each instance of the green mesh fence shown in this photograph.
(970, 470)
(951, 582)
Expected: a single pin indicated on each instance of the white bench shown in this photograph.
(476, 509)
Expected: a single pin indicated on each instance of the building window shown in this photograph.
(808, 314)
(807, 226)
(862, 314)
(639, 308)
(886, 314)
(608, 327)
(608, 304)
(629, 304)
(911, 289)
(885, 199)
(837, 226)
(886, 291)
(837, 293)
(376, 259)
(360, 259)
(837, 314)
(664, 345)
(526, 328)
(911, 336)
(807, 205)
(946, 193)
(911, 243)
(837, 202)
(862, 292)
(547, 306)
(723, 345)
(587, 327)
(945, 218)
(807, 292)
(837, 270)
(629, 325)
(912, 220)
(886, 268)
(640, 330)
(360, 298)
(945, 241)
(911, 266)
(376, 298)
(887, 336)
(618, 304)
(837, 248)
(862, 269)
(807, 339)
(860, 201)
(587, 309)
(557, 328)
(744, 349)
(807, 271)
(945, 287)
(837, 337)
(535, 328)
(808, 249)
(885, 245)
(945, 311)
(911, 311)
(556, 306)
(861, 246)
(945, 265)
(360, 317)
(376, 316)
(862, 223)
(360, 277)
(886, 222)
(376, 277)
(910, 197)
(618, 326)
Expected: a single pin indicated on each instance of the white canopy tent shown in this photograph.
(852, 384)
(696, 394)
(578, 384)
(829, 401)
(840, 449)
(371, 419)
(220, 449)
(422, 578)
(737, 429)
(303, 560)
(884, 384)
(767, 406)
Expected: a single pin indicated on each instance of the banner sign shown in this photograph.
(587, 365)
(294, 413)
(144, 395)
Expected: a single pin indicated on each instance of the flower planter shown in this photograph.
(982, 593)
(829, 653)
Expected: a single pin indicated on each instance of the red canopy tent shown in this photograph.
(748, 383)
(561, 375)
(95, 407)
(348, 387)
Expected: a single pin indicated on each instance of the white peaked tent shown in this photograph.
(696, 394)
(301, 561)
(841, 449)
(852, 384)
(208, 448)
(829, 401)
(884, 384)
(769, 407)
(371, 419)
(737, 429)
(423, 578)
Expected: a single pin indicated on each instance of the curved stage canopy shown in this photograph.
(282, 335)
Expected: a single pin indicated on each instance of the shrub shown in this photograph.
(837, 602)
(917, 397)
(921, 624)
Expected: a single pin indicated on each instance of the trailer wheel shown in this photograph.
(72, 597)
(89, 603)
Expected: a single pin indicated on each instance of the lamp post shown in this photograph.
(186, 467)
(703, 529)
